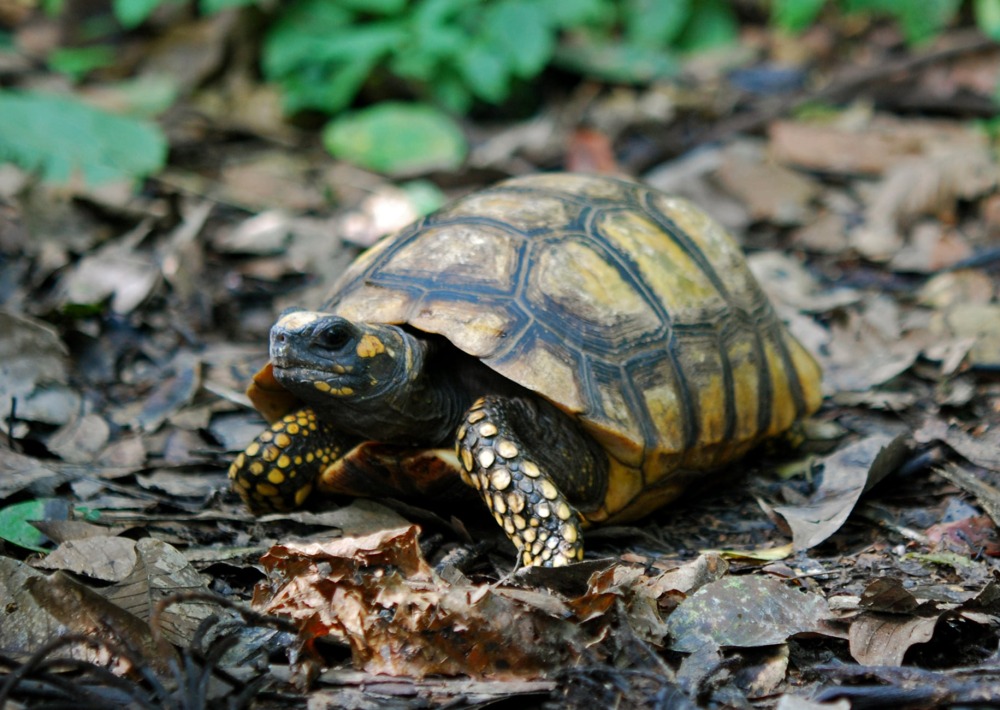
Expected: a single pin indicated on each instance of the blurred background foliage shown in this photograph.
(374, 66)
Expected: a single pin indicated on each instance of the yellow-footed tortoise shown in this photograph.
(586, 344)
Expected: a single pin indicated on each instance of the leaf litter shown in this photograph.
(130, 324)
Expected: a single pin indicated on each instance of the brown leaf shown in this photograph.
(744, 612)
(160, 571)
(377, 594)
(981, 447)
(771, 192)
(879, 639)
(110, 559)
(31, 353)
(871, 148)
(84, 611)
(847, 473)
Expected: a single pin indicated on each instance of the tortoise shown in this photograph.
(588, 345)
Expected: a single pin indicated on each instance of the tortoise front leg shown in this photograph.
(279, 470)
(533, 466)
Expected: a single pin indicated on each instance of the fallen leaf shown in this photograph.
(847, 473)
(31, 353)
(981, 447)
(771, 192)
(378, 595)
(159, 571)
(110, 559)
(878, 639)
(744, 612)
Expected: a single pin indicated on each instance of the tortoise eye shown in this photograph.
(334, 337)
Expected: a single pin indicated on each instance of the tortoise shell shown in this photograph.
(627, 308)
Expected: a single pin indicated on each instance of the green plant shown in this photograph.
(63, 138)
(919, 20)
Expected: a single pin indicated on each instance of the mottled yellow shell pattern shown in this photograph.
(628, 308)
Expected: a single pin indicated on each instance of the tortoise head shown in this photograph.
(327, 360)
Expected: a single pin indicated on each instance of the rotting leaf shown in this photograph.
(378, 595)
(744, 612)
(82, 610)
(31, 353)
(110, 559)
(160, 571)
(847, 473)
(26, 624)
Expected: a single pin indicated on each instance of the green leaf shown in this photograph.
(397, 139)
(921, 20)
(795, 15)
(519, 32)
(78, 61)
(485, 74)
(988, 17)
(132, 13)
(655, 24)
(616, 61)
(15, 521)
(374, 7)
(210, 7)
(62, 137)
(712, 25)
(577, 13)
(331, 90)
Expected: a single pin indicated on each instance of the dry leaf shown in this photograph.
(744, 612)
(31, 353)
(847, 473)
(771, 192)
(110, 559)
(378, 595)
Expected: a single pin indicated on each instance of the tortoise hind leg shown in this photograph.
(533, 466)
(279, 470)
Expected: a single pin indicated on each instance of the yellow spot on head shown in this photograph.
(569, 533)
(467, 459)
(322, 386)
(508, 526)
(292, 428)
(530, 534)
(499, 504)
(343, 391)
(256, 468)
(283, 440)
(253, 449)
(515, 501)
(275, 476)
(530, 469)
(543, 509)
(369, 346)
(548, 490)
(519, 522)
(284, 461)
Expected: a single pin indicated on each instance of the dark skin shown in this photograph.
(532, 464)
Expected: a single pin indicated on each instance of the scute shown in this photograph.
(630, 309)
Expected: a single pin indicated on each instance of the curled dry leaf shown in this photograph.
(847, 473)
(378, 595)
